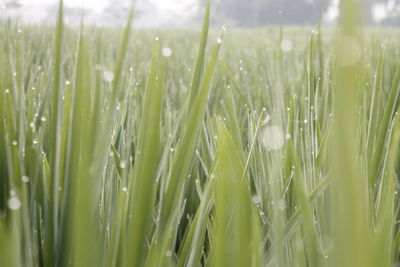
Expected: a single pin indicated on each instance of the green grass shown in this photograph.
(233, 151)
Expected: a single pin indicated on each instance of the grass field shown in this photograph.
(265, 147)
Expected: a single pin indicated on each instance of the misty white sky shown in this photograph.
(154, 13)
(99, 5)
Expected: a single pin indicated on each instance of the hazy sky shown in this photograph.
(96, 5)
(163, 12)
(99, 5)
(156, 12)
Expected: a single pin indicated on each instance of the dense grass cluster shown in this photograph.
(268, 147)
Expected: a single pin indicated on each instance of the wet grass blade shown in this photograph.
(201, 56)
(55, 137)
(149, 149)
(237, 233)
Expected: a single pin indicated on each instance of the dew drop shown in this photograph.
(166, 52)
(286, 45)
(256, 199)
(25, 179)
(272, 137)
(219, 40)
(43, 119)
(123, 164)
(124, 189)
(108, 76)
(7, 91)
(14, 203)
(14, 143)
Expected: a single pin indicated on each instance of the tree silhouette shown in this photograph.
(12, 4)
(252, 13)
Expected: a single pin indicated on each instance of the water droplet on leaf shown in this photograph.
(14, 203)
(166, 52)
(25, 179)
(273, 137)
(286, 45)
(108, 76)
